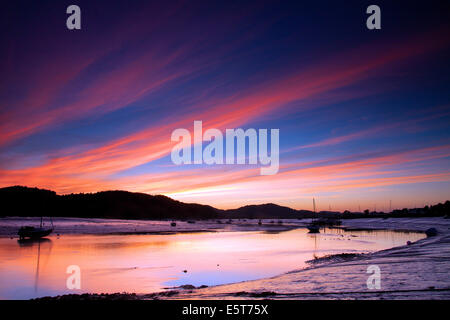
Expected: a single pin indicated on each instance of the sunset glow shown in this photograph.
(363, 118)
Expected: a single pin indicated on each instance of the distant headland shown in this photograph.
(29, 202)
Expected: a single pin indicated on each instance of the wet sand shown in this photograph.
(416, 271)
(10, 225)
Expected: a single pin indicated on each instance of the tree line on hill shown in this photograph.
(29, 202)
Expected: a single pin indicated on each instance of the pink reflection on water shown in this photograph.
(149, 263)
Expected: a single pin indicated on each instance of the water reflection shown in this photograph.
(148, 263)
(33, 242)
(46, 245)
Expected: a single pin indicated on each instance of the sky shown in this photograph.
(363, 114)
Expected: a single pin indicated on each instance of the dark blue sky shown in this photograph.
(363, 114)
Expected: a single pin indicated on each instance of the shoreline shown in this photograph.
(97, 226)
(334, 274)
(347, 279)
(101, 226)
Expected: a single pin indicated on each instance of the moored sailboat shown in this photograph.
(33, 232)
(313, 227)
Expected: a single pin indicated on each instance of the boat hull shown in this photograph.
(33, 233)
(313, 229)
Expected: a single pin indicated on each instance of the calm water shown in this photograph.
(149, 263)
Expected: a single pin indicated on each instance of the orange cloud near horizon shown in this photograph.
(100, 167)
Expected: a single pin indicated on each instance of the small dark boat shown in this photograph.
(33, 232)
(328, 222)
(313, 228)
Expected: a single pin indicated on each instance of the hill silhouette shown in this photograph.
(24, 201)
(29, 202)
(267, 211)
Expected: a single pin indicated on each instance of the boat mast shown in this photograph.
(314, 207)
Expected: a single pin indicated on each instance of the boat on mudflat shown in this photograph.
(314, 227)
(34, 232)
